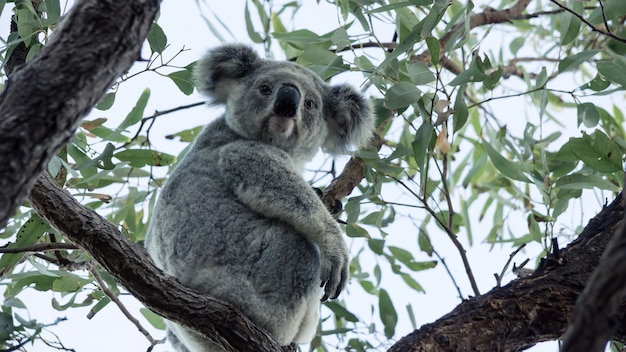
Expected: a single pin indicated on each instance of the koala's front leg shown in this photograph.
(264, 179)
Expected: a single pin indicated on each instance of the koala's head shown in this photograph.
(282, 103)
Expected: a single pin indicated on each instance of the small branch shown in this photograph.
(105, 289)
(506, 265)
(351, 175)
(157, 114)
(451, 235)
(445, 266)
(607, 33)
(42, 247)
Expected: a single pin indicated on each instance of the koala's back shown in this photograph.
(201, 234)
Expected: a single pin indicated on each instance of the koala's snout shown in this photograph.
(287, 101)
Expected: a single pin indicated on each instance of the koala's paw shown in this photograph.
(334, 273)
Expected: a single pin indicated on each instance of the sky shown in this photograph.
(182, 23)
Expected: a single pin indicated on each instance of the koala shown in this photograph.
(235, 219)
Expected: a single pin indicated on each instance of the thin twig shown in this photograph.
(506, 265)
(445, 266)
(608, 33)
(449, 232)
(41, 247)
(105, 289)
(157, 114)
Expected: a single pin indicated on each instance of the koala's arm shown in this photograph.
(265, 180)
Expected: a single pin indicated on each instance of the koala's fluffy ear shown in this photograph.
(349, 117)
(219, 71)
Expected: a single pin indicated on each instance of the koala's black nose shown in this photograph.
(287, 101)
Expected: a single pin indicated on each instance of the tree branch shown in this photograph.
(44, 100)
(594, 318)
(133, 268)
(526, 311)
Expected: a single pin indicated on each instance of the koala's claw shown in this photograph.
(334, 279)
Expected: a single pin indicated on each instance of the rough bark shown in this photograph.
(593, 320)
(44, 100)
(133, 268)
(526, 311)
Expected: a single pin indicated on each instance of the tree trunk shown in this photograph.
(44, 100)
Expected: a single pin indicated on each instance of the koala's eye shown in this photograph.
(310, 104)
(265, 89)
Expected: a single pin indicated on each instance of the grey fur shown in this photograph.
(236, 219)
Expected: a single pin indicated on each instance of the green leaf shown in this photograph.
(53, 9)
(323, 62)
(69, 283)
(572, 62)
(579, 181)
(611, 9)
(183, 80)
(493, 78)
(105, 158)
(401, 95)
(412, 283)
(423, 240)
(433, 47)
(405, 257)
(542, 78)
(6, 326)
(186, 135)
(432, 19)
(587, 114)
(254, 36)
(134, 116)
(106, 102)
(353, 210)
(505, 166)
(611, 71)
(341, 311)
(461, 112)
(33, 51)
(420, 74)
(597, 84)
(423, 138)
(388, 314)
(376, 245)
(98, 307)
(155, 320)
(570, 27)
(157, 39)
(32, 230)
(597, 151)
(142, 157)
(474, 73)
(302, 38)
(355, 231)
(340, 38)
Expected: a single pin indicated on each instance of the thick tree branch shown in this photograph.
(594, 321)
(526, 311)
(132, 267)
(45, 99)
